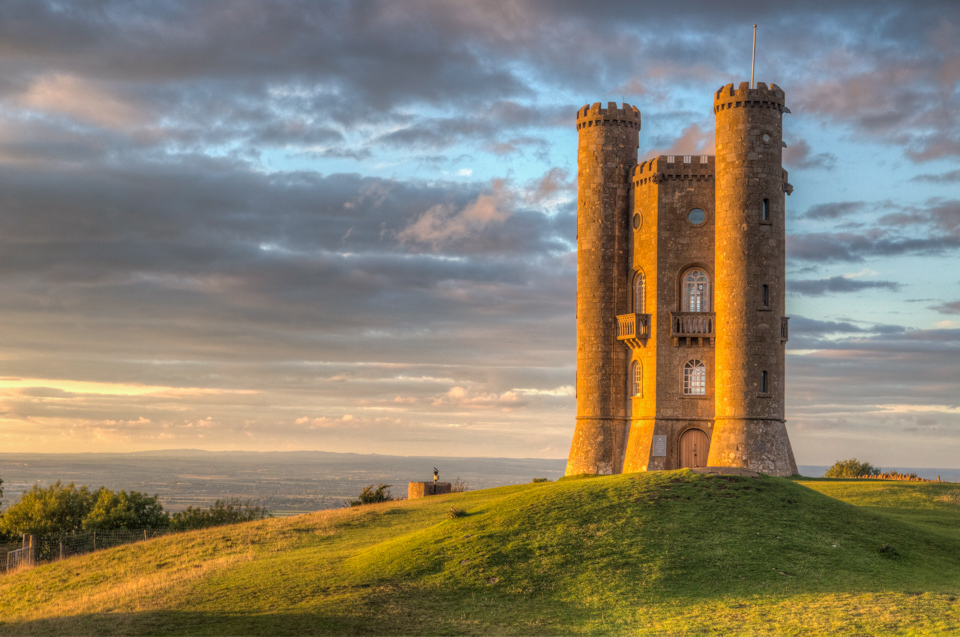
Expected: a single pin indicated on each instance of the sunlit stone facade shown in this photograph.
(680, 294)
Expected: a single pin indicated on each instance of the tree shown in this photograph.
(4, 535)
(124, 510)
(372, 496)
(221, 512)
(851, 468)
(56, 510)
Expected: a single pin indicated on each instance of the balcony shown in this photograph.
(633, 329)
(692, 325)
(784, 329)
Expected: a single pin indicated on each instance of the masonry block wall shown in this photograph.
(667, 188)
(642, 229)
(609, 138)
(750, 430)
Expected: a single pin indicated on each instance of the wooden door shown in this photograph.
(694, 446)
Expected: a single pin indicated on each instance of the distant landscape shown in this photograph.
(286, 482)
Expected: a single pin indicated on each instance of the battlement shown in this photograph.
(744, 96)
(628, 116)
(664, 167)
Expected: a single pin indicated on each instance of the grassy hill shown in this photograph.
(671, 553)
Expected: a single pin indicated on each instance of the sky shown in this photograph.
(350, 225)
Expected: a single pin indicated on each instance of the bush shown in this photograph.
(124, 510)
(454, 512)
(59, 509)
(536, 480)
(371, 496)
(459, 486)
(220, 513)
(55, 510)
(851, 468)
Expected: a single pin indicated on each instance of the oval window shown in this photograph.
(637, 220)
(697, 216)
(766, 137)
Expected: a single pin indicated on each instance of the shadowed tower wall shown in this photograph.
(609, 138)
(749, 429)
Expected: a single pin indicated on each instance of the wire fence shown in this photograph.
(37, 549)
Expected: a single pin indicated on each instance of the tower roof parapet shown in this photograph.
(744, 96)
(628, 116)
(665, 167)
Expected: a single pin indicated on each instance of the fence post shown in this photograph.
(144, 534)
(94, 539)
(61, 548)
(32, 552)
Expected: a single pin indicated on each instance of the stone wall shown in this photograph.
(749, 428)
(667, 246)
(608, 142)
(423, 489)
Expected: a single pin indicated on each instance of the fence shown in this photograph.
(15, 558)
(37, 549)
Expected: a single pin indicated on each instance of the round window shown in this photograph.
(697, 216)
(766, 137)
(637, 220)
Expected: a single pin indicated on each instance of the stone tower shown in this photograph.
(607, 152)
(680, 295)
(749, 429)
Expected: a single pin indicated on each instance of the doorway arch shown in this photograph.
(694, 447)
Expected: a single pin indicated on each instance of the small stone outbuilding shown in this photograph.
(423, 489)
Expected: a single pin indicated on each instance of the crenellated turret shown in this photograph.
(609, 138)
(749, 430)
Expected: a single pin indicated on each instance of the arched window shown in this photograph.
(696, 291)
(640, 294)
(766, 210)
(763, 383)
(636, 378)
(765, 296)
(694, 378)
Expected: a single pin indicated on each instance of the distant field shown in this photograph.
(287, 483)
(664, 553)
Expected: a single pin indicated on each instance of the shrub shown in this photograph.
(220, 513)
(60, 509)
(459, 486)
(454, 512)
(851, 468)
(373, 496)
(55, 510)
(124, 510)
(535, 480)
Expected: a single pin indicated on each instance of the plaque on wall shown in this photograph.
(659, 446)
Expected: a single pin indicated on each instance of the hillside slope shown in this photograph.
(657, 553)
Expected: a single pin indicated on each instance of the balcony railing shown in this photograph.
(633, 329)
(784, 329)
(692, 325)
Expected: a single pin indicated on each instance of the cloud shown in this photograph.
(443, 224)
(460, 397)
(799, 155)
(692, 141)
(834, 210)
(911, 230)
(953, 307)
(838, 284)
(80, 99)
(554, 186)
(950, 177)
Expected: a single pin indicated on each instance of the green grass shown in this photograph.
(665, 553)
